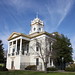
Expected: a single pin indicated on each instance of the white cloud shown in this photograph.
(4, 37)
(22, 5)
(58, 10)
(7, 32)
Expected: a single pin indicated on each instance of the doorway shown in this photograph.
(12, 64)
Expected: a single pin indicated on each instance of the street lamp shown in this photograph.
(62, 63)
(62, 58)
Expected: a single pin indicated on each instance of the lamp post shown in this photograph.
(62, 63)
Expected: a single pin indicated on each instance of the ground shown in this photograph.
(35, 73)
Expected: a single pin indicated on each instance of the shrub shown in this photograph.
(3, 68)
(51, 69)
(0, 68)
(71, 68)
(31, 67)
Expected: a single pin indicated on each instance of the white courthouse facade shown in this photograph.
(22, 49)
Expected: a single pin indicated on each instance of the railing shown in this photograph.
(17, 53)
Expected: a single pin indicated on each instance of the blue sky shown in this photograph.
(58, 15)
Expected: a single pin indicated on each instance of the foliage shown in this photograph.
(61, 49)
(2, 64)
(31, 67)
(52, 69)
(3, 68)
(1, 52)
(71, 67)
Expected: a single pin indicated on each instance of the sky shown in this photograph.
(58, 16)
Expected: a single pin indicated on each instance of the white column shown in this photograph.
(20, 46)
(12, 47)
(49, 61)
(16, 47)
(8, 47)
(52, 62)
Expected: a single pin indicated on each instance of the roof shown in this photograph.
(40, 33)
(17, 35)
(30, 36)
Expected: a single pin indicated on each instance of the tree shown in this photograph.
(1, 52)
(62, 50)
(44, 50)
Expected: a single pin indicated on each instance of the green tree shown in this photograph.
(62, 50)
(1, 52)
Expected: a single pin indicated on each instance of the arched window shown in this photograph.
(34, 29)
(40, 29)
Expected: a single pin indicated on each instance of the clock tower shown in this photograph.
(36, 26)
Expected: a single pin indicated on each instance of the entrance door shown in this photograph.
(12, 64)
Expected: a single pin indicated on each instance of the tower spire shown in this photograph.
(37, 15)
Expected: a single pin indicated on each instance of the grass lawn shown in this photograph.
(35, 73)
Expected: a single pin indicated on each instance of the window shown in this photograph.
(34, 29)
(27, 48)
(37, 61)
(50, 61)
(14, 42)
(37, 49)
(13, 50)
(40, 29)
(10, 43)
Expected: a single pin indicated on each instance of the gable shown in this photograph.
(13, 35)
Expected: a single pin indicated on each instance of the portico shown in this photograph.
(18, 46)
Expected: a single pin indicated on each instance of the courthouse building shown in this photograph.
(22, 48)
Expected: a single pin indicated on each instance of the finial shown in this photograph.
(37, 15)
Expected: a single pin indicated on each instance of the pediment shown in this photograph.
(13, 35)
